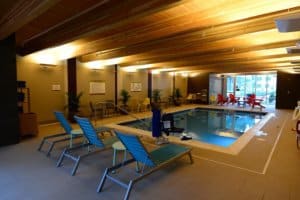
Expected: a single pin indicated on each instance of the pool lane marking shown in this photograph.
(274, 146)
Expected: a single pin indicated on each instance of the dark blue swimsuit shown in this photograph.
(156, 125)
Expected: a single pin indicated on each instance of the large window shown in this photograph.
(230, 85)
(262, 85)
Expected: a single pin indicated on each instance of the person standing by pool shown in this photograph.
(156, 124)
(296, 115)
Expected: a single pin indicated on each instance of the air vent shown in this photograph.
(295, 62)
(293, 50)
(288, 23)
(296, 69)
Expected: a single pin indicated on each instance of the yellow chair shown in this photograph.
(145, 106)
(212, 99)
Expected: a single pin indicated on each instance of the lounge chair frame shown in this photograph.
(148, 161)
(93, 143)
(51, 140)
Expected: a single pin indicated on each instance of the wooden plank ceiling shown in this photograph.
(187, 35)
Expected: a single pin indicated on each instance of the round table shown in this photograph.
(74, 134)
(118, 146)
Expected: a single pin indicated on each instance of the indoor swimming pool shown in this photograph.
(213, 126)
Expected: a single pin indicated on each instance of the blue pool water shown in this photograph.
(217, 127)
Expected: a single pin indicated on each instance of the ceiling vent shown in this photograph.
(293, 50)
(288, 23)
(295, 62)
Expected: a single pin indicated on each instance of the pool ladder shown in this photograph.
(124, 111)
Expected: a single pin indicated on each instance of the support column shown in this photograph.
(116, 84)
(72, 84)
(150, 84)
(8, 79)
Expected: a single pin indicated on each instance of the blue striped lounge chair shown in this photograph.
(93, 144)
(68, 135)
(153, 160)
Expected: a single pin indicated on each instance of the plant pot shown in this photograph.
(177, 102)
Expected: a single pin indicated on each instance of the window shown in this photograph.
(262, 85)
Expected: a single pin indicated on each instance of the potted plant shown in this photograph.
(73, 104)
(177, 97)
(125, 98)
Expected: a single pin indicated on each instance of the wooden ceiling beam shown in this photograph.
(22, 12)
(214, 62)
(225, 53)
(204, 35)
(111, 15)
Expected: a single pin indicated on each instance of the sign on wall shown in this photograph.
(135, 87)
(97, 87)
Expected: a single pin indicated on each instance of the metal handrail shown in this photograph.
(122, 109)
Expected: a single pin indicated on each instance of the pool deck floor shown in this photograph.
(267, 168)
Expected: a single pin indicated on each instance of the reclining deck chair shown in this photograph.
(91, 134)
(232, 99)
(253, 101)
(69, 134)
(221, 100)
(168, 124)
(155, 160)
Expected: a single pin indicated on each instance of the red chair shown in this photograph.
(232, 99)
(253, 101)
(221, 100)
(250, 98)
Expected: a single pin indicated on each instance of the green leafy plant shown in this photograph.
(125, 96)
(74, 101)
(176, 96)
(177, 93)
(156, 95)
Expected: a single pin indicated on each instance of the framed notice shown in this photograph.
(97, 87)
(135, 87)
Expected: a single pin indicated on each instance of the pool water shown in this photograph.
(217, 127)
